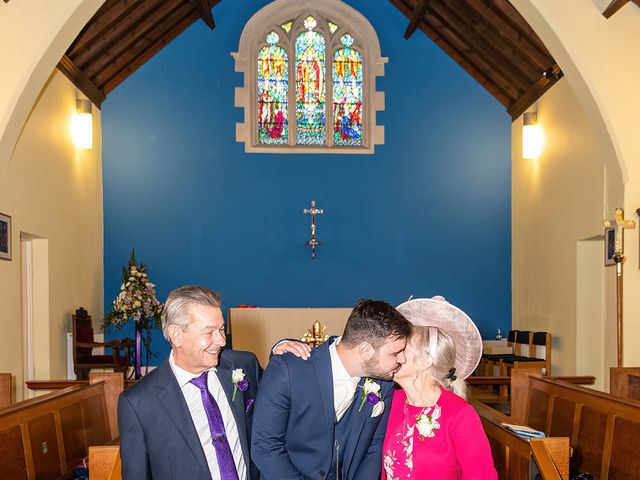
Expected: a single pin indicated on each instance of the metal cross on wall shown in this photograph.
(313, 211)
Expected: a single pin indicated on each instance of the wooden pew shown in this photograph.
(5, 389)
(512, 453)
(604, 430)
(48, 436)
(625, 382)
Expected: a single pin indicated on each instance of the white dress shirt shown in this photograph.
(344, 385)
(198, 415)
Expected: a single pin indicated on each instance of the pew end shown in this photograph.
(104, 463)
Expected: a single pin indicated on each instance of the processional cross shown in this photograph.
(620, 224)
(313, 211)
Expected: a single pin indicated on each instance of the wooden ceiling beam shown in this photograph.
(535, 92)
(139, 37)
(204, 10)
(109, 14)
(463, 29)
(117, 32)
(124, 68)
(458, 57)
(414, 21)
(80, 80)
(616, 5)
(517, 39)
(509, 12)
(494, 42)
(497, 76)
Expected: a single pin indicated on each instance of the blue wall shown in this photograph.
(429, 213)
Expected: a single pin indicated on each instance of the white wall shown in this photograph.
(557, 201)
(53, 192)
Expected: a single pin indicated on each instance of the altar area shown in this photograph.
(258, 329)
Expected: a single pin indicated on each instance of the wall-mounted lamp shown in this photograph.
(82, 125)
(532, 137)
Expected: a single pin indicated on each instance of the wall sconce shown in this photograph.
(82, 125)
(532, 137)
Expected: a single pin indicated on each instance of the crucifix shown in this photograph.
(313, 211)
(620, 224)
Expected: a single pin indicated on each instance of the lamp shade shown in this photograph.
(82, 125)
(532, 137)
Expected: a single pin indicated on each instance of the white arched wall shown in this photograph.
(600, 61)
(34, 35)
(598, 56)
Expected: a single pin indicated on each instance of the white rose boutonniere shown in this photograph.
(239, 382)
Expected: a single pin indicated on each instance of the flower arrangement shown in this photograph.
(136, 300)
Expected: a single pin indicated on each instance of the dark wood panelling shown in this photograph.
(626, 445)
(538, 408)
(14, 462)
(593, 426)
(44, 447)
(73, 434)
(95, 421)
(562, 417)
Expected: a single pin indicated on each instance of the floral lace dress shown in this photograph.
(444, 442)
(419, 423)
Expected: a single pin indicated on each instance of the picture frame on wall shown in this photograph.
(609, 246)
(5, 237)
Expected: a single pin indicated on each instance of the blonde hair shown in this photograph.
(442, 359)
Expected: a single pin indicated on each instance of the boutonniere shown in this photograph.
(427, 424)
(370, 393)
(239, 382)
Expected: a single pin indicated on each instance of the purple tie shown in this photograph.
(218, 435)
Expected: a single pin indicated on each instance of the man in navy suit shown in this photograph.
(191, 417)
(325, 418)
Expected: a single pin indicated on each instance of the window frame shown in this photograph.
(253, 39)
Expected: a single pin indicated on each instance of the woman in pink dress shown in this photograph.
(433, 433)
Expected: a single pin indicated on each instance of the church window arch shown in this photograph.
(309, 79)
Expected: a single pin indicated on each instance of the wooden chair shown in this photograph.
(531, 351)
(491, 360)
(83, 345)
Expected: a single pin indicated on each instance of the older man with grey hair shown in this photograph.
(191, 417)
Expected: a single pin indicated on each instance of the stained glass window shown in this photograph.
(310, 85)
(287, 26)
(273, 73)
(347, 95)
(332, 27)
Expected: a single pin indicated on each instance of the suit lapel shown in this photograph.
(172, 400)
(237, 407)
(322, 364)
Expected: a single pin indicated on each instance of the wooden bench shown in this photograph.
(603, 430)
(48, 436)
(512, 453)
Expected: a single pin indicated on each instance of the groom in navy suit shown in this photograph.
(191, 417)
(325, 418)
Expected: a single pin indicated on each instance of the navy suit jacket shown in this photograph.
(294, 422)
(157, 436)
